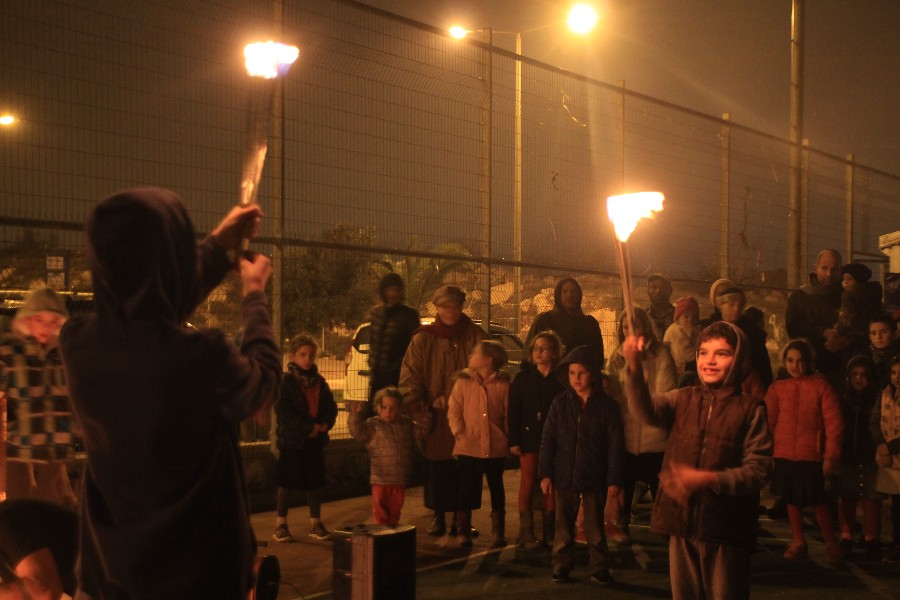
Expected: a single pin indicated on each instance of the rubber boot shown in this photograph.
(549, 527)
(526, 530)
(498, 528)
(464, 525)
(438, 525)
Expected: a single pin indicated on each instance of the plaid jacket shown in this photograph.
(38, 411)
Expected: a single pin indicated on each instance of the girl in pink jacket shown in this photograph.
(806, 423)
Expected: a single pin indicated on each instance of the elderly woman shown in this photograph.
(436, 353)
(40, 440)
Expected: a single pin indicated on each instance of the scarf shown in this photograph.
(310, 381)
(439, 329)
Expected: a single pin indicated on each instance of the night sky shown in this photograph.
(720, 56)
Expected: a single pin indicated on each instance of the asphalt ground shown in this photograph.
(445, 571)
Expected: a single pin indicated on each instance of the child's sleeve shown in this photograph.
(327, 406)
(657, 410)
(547, 455)
(756, 465)
(455, 410)
(514, 411)
(615, 440)
(361, 431)
(772, 406)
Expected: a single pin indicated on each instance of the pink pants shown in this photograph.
(528, 463)
(387, 500)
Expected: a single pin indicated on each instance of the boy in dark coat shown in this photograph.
(164, 507)
(582, 459)
(718, 457)
(568, 320)
(393, 324)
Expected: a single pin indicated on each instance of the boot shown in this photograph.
(549, 527)
(438, 525)
(526, 529)
(464, 524)
(498, 528)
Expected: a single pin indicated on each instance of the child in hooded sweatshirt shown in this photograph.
(885, 426)
(477, 417)
(390, 438)
(644, 444)
(306, 412)
(581, 461)
(856, 477)
(530, 397)
(805, 419)
(718, 457)
(882, 347)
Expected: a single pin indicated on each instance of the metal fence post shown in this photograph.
(487, 163)
(848, 214)
(725, 198)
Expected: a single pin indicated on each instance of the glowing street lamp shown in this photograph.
(7, 120)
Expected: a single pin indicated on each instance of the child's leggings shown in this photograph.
(282, 502)
(387, 501)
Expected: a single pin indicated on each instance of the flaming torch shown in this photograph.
(269, 61)
(625, 211)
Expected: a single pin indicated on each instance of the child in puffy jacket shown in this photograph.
(390, 438)
(885, 427)
(808, 429)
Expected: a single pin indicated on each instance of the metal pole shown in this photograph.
(804, 205)
(848, 215)
(517, 212)
(725, 198)
(487, 163)
(794, 268)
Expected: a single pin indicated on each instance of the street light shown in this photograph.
(7, 120)
(582, 19)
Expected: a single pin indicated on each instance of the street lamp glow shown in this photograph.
(7, 120)
(269, 59)
(582, 18)
(458, 32)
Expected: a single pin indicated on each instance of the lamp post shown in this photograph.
(582, 18)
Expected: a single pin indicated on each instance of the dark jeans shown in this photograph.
(282, 502)
(471, 470)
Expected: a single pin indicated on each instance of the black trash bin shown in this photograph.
(374, 562)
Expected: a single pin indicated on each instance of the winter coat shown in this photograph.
(391, 331)
(805, 419)
(583, 447)
(856, 410)
(682, 344)
(164, 510)
(40, 424)
(574, 327)
(885, 423)
(711, 428)
(427, 376)
(477, 414)
(530, 397)
(660, 374)
(294, 417)
(391, 445)
(811, 310)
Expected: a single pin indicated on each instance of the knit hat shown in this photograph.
(714, 288)
(388, 280)
(686, 304)
(449, 293)
(860, 272)
(730, 294)
(37, 301)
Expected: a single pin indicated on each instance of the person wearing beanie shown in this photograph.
(392, 327)
(436, 352)
(681, 336)
(731, 302)
(40, 428)
(568, 320)
(661, 310)
(717, 286)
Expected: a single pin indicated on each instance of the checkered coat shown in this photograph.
(39, 415)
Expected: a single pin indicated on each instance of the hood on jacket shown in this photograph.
(388, 280)
(142, 251)
(582, 355)
(557, 293)
(741, 366)
(860, 360)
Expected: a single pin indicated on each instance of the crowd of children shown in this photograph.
(690, 411)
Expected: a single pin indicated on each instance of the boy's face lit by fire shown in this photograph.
(714, 361)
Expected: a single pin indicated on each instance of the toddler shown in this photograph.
(681, 336)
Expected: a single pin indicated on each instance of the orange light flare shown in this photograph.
(625, 211)
(269, 59)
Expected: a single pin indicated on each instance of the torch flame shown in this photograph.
(627, 209)
(269, 59)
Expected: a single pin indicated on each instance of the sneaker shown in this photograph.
(282, 534)
(603, 578)
(561, 576)
(893, 555)
(438, 527)
(318, 532)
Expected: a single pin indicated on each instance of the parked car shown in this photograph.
(356, 384)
